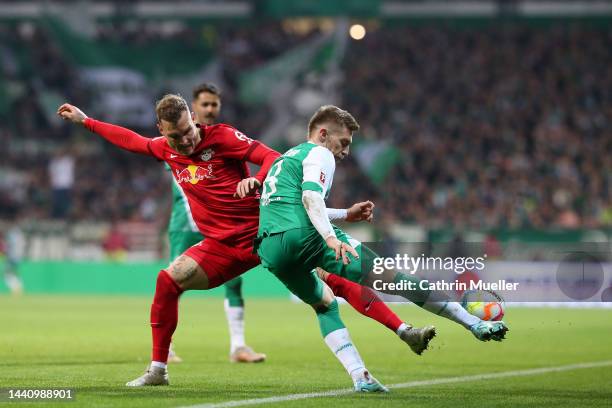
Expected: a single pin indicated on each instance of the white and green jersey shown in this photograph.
(305, 167)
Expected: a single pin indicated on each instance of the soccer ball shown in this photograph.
(486, 305)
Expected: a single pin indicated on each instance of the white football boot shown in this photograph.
(418, 338)
(153, 376)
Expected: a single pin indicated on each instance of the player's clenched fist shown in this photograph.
(71, 113)
(363, 211)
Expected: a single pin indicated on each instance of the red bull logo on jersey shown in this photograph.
(193, 174)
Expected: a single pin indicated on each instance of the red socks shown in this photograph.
(364, 300)
(164, 310)
(164, 315)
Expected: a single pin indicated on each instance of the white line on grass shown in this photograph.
(448, 380)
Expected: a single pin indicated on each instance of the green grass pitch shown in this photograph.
(95, 344)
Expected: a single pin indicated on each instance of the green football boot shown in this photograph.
(486, 331)
(368, 383)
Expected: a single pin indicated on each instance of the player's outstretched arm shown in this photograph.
(117, 135)
(71, 113)
(363, 211)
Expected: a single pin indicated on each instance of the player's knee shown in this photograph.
(327, 300)
(186, 272)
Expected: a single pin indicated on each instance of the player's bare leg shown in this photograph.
(183, 274)
(366, 301)
(187, 274)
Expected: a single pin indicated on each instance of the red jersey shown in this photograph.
(208, 177)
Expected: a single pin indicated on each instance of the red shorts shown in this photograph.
(221, 262)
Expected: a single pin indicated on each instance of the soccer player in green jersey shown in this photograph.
(183, 233)
(295, 234)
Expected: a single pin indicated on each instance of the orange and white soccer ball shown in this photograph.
(486, 305)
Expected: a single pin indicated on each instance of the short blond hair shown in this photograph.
(170, 108)
(333, 115)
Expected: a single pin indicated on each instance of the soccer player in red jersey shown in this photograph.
(183, 233)
(208, 163)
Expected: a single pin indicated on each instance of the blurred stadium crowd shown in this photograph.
(48, 171)
(506, 126)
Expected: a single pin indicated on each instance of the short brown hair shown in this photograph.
(170, 108)
(333, 115)
(206, 87)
